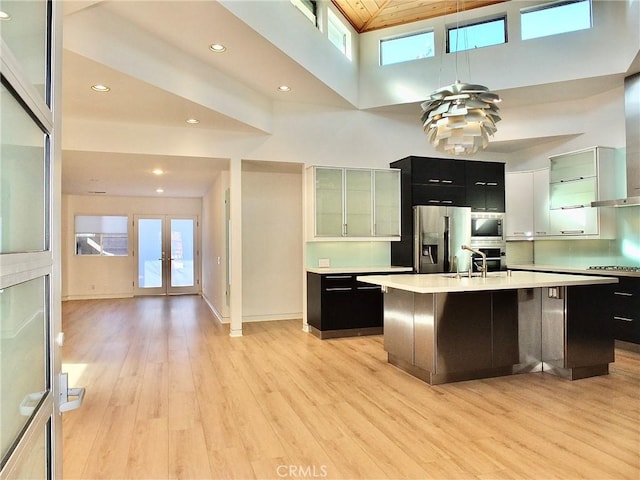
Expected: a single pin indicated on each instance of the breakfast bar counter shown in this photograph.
(444, 327)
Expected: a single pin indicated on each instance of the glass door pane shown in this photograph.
(23, 179)
(23, 358)
(182, 252)
(25, 31)
(150, 254)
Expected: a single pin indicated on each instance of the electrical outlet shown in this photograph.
(324, 262)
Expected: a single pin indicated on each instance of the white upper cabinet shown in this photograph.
(541, 203)
(527, 204)
(353, 204)
(519, 205)
(575, 180)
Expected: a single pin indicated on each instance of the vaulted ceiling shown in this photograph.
(367, 15)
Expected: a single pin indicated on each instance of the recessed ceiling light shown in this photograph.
(4, 15)
(158, 171)
(159, 190)
(217, 48)
(284, 88)
(100, 88)
(192, 121)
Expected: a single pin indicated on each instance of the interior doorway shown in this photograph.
(166, 253)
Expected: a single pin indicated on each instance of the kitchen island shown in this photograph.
(443, 327)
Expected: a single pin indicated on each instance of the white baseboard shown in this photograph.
(97, 296)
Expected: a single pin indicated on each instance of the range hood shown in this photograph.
(632, 131)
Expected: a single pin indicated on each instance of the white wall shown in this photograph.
(109, 277)
(214, 248)
(272, 245)
(605, 49)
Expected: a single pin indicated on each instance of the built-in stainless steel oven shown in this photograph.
(496, 257)
(487, 227)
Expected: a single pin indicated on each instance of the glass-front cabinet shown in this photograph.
(353, 203)
(386, 221)
(575, 180)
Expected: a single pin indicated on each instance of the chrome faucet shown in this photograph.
(483, 268)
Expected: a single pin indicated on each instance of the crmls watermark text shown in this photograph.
(302, 471)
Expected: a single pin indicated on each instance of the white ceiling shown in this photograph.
(188, 26)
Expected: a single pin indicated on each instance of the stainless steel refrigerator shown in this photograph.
(439, 233)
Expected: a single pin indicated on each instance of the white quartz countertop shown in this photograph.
(444, 282)
(578, 270)
(356, 270)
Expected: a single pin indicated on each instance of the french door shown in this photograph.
(166, 255)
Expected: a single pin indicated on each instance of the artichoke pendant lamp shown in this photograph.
(459, 118)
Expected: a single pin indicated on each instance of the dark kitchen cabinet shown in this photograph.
(625, 309)
(425, 181)
(485, 186)
(338, 305)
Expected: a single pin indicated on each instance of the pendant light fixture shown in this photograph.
(459, 118)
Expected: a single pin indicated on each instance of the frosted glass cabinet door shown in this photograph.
(328, 202)
(573, 194)
(358, 203)
(386, 203)
(573, 166)
(574, 221)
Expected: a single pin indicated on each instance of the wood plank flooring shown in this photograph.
(171, 395)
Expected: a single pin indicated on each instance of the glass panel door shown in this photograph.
(30, 323)
(166, 251)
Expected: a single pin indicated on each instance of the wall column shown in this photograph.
(235, 246)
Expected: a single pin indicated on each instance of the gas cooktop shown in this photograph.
(619, 268)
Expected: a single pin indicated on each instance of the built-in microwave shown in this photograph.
(487, 227)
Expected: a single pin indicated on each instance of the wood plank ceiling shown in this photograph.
(367, 15)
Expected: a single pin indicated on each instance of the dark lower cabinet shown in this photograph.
(338, 305)
(625, 309)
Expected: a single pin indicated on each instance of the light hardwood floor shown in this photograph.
(171, 395)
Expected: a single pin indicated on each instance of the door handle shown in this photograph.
(30, 402)
(66, 392)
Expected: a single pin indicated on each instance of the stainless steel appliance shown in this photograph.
(439, 233)
(487, 227)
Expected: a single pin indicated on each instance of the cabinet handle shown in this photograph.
(369, 288)
(623, 294)
(569, 207)
(447, 181)
(541, 233)
(480, 183)
(571, 179)
(625, 319)
(338, 289)
(492, 184)
(493, 209)
(434, 201)
(334, 277)
(434, 180)
(447, 201)
(568, 232)
(344, 229)
(518, 233)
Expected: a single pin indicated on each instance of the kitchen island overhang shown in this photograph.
(443, 328)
